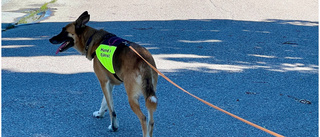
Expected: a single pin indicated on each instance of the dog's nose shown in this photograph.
(53, 41)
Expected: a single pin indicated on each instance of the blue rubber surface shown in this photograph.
(276, 63)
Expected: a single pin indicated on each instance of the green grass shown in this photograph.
(31, 14)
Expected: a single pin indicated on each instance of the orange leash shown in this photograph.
(205, 102)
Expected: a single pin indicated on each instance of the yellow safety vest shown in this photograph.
(105, 55)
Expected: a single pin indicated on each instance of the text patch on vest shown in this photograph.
(105, 55)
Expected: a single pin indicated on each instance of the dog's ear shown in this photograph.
(82, 20)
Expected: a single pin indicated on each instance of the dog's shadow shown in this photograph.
(218, 60)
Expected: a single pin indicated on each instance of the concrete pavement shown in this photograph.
(256, 60)
(122, 10)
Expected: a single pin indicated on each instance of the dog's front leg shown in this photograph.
(102, 110)
(107, 102)
(107, 90)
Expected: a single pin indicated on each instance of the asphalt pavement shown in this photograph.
(257, 60)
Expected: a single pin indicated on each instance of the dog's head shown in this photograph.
(70, 36)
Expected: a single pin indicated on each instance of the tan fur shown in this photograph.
(128, 67)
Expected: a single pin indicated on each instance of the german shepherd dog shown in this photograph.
(129, 68)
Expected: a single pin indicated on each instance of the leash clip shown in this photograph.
(126, 43)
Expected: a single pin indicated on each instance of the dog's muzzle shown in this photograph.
(67, 42)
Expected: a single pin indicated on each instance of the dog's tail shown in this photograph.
(150, 95)
(151, 100)
(150, 79)
(151, 103)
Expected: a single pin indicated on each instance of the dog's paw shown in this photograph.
(112, 128)
(97, 114)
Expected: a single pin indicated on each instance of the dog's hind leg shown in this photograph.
(151, 104)
(134, 104)
(134, 90)
(108, 101)
(150, 100)
(102, 110)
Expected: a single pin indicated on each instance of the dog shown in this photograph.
(124, 66)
